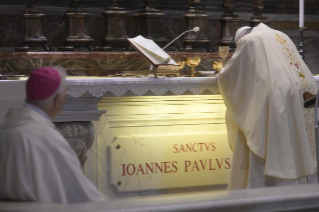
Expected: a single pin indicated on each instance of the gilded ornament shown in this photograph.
(192, 62)
(223, 52)
(301, 75)
(217, 65)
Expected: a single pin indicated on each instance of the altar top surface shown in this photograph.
(111, 86)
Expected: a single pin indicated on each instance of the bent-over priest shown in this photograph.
(269, 130)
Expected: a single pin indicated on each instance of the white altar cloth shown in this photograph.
(98, 87)
(13, 91)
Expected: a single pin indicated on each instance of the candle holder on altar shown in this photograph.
(116, 35)
(33, 35)
(230, 24)
(77, 33)
(223, 52)
(192, 62)
(258, 18)
(217, 65)
(195, 18)
(149, 23)
(301, 44)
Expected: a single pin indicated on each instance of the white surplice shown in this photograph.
(262, 86)
(37, 164)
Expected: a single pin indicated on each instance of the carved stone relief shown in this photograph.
(230, 24)
(80, 135)
(257, 6)
(149, 22)
(78, 35)
(195, 41)
(33, 35)
(115, 23)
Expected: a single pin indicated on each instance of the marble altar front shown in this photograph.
(137, 107)
(166, 110)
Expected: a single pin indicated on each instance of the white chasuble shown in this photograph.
(37, 164)
(262, 86)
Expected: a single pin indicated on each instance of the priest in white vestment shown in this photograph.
(36, 162)
(269, 130)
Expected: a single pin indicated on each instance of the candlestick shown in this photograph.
(77, 33)
(223, 52)
(301, 44)
(115, 23)
(301, 13)
(192, 62)
(33, 34)
(195, 18)
(149, 21)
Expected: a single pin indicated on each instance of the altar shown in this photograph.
(167, 134)
(143, 136)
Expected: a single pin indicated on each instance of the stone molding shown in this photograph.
(90, 115)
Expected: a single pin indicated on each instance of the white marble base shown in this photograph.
(289, 198)
(164, 116)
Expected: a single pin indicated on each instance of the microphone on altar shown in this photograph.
(195, 29)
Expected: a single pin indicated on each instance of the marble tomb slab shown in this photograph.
(169, 161)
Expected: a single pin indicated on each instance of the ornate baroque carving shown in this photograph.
(33, 35)
(77, 33)
(116, 37)
(149, 23)
(257, 6)
(80, 135)
(195, 41)
(230, 23)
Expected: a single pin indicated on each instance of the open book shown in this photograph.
(152, 51)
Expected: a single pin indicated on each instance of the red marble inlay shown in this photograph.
(99, 55)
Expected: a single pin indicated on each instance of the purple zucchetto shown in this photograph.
(42, 83)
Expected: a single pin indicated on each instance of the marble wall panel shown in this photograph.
(96, 29)
(173, 28)
(92, 63)
(213, 33)
(11, 30)
(54, 29)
